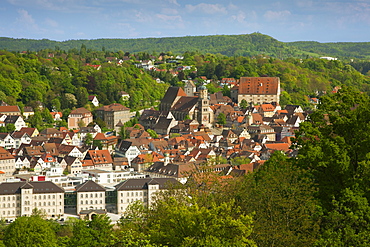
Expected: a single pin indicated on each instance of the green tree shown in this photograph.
(152, 133)
(281, 196)
(30, 231)
(243, 104)
(182, 222)
(332, 147)
(47, 117)
(88, 139)
(10, 128)
(221, 119)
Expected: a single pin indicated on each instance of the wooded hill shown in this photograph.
(230, 45)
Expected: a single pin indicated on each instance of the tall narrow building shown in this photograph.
(204, 112)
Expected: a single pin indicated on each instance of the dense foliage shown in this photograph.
(337, 49)
(230, 45)
(65, 81)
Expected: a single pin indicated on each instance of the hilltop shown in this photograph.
(230, 45)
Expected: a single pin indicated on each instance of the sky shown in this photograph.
(285, 20)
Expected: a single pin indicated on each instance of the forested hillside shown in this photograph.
(230, 45)
(62, 81)
(359, 50)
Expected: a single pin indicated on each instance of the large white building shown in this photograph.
(21, 198)
(143, 190)
(90, 195)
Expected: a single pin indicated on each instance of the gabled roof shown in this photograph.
(89, 186)
(185, 104)
(19, 134)
(172, 93)
(27, 130)
(163, 123)
(173, 170)
(142, 183)
(80, 110)
(12, 119)
(50, 131)
(278, 146)
(100, 156)
(70, 160)
(113, 107)
(100, 136)
(5, 155)
(267, 108)
(9, 108)
(39, 187)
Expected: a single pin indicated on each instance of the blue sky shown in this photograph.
(285, 20)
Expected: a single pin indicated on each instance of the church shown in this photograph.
(190, 102)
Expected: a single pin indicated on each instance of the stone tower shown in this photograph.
(204, 113)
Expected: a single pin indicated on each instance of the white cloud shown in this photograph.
(142, 17)
(239, 17)
(304, 4)
(276, 15)
(26, 20)
(169, 17)
(51, 22)
(174, 2)
(207, 8)
(69, 6)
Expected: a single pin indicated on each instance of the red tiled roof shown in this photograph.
(259, 85)
(278, 146)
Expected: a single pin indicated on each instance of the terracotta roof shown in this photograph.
(113, 107)
(5, 155)
(100, 156)
(100, 136)
(80, 110)
(267, 107)
(259, 85)
(278, 146)
(9, 108)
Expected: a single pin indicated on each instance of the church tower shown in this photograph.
(190, 88)
(204, 113)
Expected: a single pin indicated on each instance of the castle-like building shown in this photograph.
(257, 90)
(194, 104)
